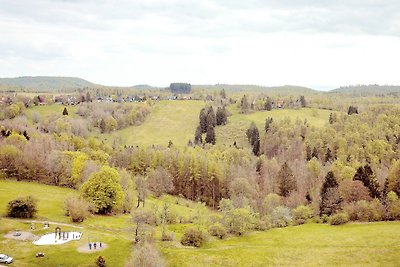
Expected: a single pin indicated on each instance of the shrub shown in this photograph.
(301, 214)
(24, 207)
(339, 218)
(146, 255)
(393, 209)
(167, 237)
(100, 262)
(280, 217)
(218, 230)
(365, 211)
(193, 237)
(77, 209)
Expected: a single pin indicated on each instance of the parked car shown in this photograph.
(5, 259)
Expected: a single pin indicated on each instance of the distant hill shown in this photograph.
(46, 83)
(372, 89)
(285, 89)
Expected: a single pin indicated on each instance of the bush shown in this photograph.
(167, 237)
(393, 209)
(24, 207)
(301, 214)
(146, 255)
(77, 209)
(100, 262)
(280, 217)
(218, 230)
(339, 218)
(365, 211)
(193, 237)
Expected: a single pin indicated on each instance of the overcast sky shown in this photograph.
(319, 43)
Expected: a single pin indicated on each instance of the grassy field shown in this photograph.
(177, 121)
(113, 231)
(47, 110)
(366, 244)
(168, 120)
(370, 244)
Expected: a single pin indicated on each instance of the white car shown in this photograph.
(5, 259)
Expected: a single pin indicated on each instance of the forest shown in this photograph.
(285, 171)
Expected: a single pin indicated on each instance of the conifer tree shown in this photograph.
(210, 135)
(315, 153)
(244, 104)
(268, 122)
(198, 139)
(287, 181)
(268, 104)
(328, 155)
(203, 120)
(367, 177)
(308, 153)
(303, 101)
(330, 198)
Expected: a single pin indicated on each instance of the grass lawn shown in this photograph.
(356, 244)
(168, 120)
(111, 230)
(369, 244)
(47, 110)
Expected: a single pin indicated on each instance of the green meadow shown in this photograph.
(168, 120)
(355, 244)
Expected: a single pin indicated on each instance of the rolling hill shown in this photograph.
(46, 83)
(373, 89)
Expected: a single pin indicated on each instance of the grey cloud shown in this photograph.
(217, 18)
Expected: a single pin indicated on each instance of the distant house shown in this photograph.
(41, 100)
(6, 100)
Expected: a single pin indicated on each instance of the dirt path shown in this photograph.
(50, 222)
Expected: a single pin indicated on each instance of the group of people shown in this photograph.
(94, 245)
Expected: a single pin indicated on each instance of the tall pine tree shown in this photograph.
(286, 180)
(330, 198)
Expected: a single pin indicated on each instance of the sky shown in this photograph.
(316, 43)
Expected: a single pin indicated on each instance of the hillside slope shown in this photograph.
(373, 89)
(46, 83)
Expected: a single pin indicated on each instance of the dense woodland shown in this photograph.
(292, 172)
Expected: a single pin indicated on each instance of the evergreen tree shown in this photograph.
(222, 93)
(308, 153)
(65, 111)
(244, 104)
(303, 101)
(210, 135)
(253, 134)
(221, 116)
(367, 177)
(286, 180)
(211, 118)
(268, 104)
(315, 153)
(198, 139)
(332, 118)
(268, 122)
(328, 155)
(88, 97)
(256, 147)
(330, 198)
(203, 120)
(352, 110)
(103, 125)
(170, 144)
